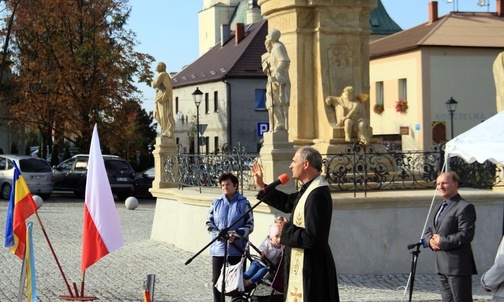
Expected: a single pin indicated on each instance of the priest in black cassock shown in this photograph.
(310, 272)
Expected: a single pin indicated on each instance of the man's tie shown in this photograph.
(440, 213)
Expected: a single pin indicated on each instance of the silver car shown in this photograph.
(36, 172)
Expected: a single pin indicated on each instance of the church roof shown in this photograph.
(240, 14)
(456, 29)
(231, 60)
(381, 23)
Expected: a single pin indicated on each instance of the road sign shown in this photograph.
(202, 128)
(261, 128)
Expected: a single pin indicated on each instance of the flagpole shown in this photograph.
(82, 282)
(54, 255)
(22, 279)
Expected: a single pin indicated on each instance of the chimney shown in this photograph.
(224, 33)
(500, 8)
(239, 32)
(433, 12)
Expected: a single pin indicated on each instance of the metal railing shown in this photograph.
(205, 170)
(357, 168)
(363, 168)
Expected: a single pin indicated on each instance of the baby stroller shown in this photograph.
(264, 291)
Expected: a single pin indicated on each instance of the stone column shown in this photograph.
(328, 45)
(166, 163)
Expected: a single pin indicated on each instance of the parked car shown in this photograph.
(143, 182)
(36, 172)
(70, 175)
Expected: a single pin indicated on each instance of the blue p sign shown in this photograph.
(261, 128)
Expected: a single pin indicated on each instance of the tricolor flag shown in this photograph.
(102, 230)
(31, 288)
(21, 206)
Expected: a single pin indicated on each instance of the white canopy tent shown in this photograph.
(480, 143)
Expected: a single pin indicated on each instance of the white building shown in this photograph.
(446, 57)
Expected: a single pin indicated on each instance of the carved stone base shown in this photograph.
(276, 155)
(165, 163)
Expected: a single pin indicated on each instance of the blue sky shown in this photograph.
(168, 29)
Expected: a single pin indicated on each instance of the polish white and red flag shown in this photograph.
(102, 231)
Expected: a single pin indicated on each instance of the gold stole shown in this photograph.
(295, 287)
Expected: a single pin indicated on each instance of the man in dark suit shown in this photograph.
(450, 236)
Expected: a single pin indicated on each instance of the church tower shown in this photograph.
(218, 12)
(214, 13)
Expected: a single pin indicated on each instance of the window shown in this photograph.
(66, 165)
(176, 105)
(216, 143)
(403, 89)
(3, 163)
(379, 93)
(33, 166)
(207, 144)
(207, 107)
(119, 166)
(260, 99)
(216, 101)
(81, 164)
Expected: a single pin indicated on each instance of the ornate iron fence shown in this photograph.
(357, 168)
(205, 170)
(476, 175)
(363, 168)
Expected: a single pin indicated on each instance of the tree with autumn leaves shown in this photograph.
(75, 66)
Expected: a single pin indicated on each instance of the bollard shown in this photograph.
(149, 285)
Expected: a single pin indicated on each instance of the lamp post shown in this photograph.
(197, 96)
(451, 105)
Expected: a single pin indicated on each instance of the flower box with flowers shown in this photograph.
(378, 108)
(401, 106)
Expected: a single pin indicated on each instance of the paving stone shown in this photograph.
(120, 276)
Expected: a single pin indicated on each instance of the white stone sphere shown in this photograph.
(38, 200)
(131, 203)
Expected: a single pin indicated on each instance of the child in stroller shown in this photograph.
(270, 251)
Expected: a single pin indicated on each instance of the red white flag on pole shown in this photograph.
(102, 231)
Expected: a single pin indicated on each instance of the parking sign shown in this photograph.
(261, 128)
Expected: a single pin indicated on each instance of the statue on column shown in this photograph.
(163, 110)
(275, 63)
(350, 114)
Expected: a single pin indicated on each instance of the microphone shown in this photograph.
(282, 179)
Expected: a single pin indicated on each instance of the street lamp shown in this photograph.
(451, 105)
(197, 96)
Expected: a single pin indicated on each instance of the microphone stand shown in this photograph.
(224, 235)
(414, 260)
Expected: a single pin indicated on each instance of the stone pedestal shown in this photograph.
(165, 163)
(276, 154)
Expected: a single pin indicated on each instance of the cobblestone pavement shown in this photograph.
(119, 276)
